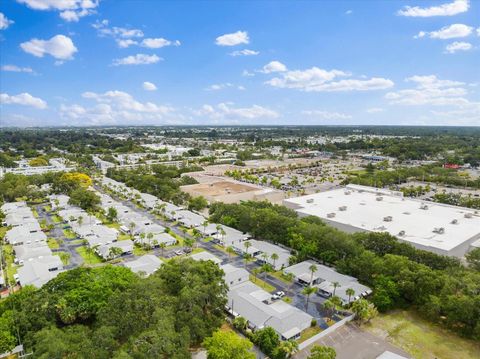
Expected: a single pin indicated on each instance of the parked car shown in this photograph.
(278, 295)
(179, 252)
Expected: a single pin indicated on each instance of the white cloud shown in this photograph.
(115, 107)
(4, 22)
(349, 12)
(478, 31)
(316, 79)
(274, 66)
(236, 38)
(458, 46)
(24, 99)
(70, 10)
(375, 110)
(430, 90)
(226, 112)
(244, 52)
(118, 33)
(138, 59)
(60, 47)
(448, 9)
(149, 86)
(247, 73)
(326, 115)
(124, 43)
(222, 86)
(448, 32)
(157, 43)
(15, 68)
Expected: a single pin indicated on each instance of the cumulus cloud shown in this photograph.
(458, 46)
(60, 47)
(274, 66)
(448, 32)
(149, 86)
(224, 112)
(122, 35)
(138, 59)
(244, 52)
(217, 87)
(320, 80)
(246, 73)
(114, 107)
(15, 68)
(4, 22)
(375, 110)
(447, 9)
(236, 38)
(429, 90)
(70, 10)
(156, 43)
(326, 115)
(24, 99)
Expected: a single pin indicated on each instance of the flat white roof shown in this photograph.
(363, 209)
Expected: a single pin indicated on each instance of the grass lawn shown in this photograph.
(35, 213)
(224, 250)
(48, 208)
(287, 299)
(123, 237)
(198, 250)
(65, 257)
(69, 234)
(208, 239)
(308, 333)
(262, 284)
(279, 275)
(52, 243)
(11, 267)
(56, 219)
(88, 258)
(3, 230)
(139, 251)
(113, 225)
(420, 338)
(77, 241)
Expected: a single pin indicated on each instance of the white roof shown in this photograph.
(147, 264)
(37, 272)
(366, 208)
(206, 256)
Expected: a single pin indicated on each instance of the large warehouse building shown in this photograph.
(435, 227)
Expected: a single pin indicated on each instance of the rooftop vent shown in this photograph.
(342, 208)
(388, 219)
(454, 221)
(401, 233)
(439, 230)
(468, 215)
(330, 215)
(380, 198)
(310, 200)
(424, 207)
(347, 192)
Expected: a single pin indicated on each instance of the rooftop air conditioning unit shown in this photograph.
(424, 207)
(401, 233)
(342, 208)
(388, 219)
(468, 215)
(439, 230)
(330, 215)
(454, 221)
(347, 192)
(310, 200)
(379, 198)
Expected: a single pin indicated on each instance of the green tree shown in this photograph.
(473, 259)
(112, 214)
(228, 345)
(308, 291)
(364, 311)
(267, 340)
(322, 352)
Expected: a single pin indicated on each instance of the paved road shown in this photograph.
(65, 244)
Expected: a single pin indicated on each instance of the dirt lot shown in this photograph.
(220, 188)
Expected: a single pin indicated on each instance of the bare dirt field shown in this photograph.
(220, 188)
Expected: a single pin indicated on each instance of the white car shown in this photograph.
(278, 295)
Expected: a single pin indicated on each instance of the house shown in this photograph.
(29, 233)
(147, 264)
(19, 218)
(149, 201)
(206, 256)
(228, 236)
(25, 252)
(12, 207)
(256, 306)
(189, 219)
(234, 275)
(262, 251)
(146, 226)
(157, 240)
(39, 271)
(59, 201)
(105, 250)
(328, 281)
(209, 230)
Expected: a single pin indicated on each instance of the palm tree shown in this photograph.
(184, 231)
(290, 277)
(150, 237)
(289, 347)
(80, 220)
(256, 272)
(350, 292)
(247, 245)
(274, 257)
(335, 286)
(205, 225)
(313, 268)
(265, 258)
(307, 291)
(247, 257)
(329, 306)
(132, 227)
(230, 251)
(265, 269)
(189, 242)
(163, 245)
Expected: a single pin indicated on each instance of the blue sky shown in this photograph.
(119, 62)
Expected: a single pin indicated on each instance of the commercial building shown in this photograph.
(438, 228)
